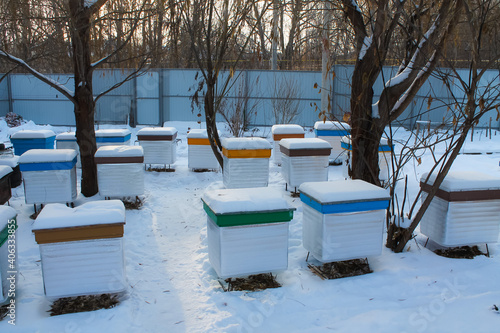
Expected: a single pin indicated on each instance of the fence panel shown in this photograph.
(166, 95)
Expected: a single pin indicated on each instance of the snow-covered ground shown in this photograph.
(172, 287)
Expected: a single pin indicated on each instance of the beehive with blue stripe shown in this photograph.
(343, 219)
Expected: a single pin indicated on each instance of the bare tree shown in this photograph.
(217, 30)
(477, 95)
(81, 14)
(374, 27)
(285, 99)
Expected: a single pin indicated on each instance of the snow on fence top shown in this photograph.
(231, 201)
(153, 131)
(340, 191)
(33, 134)
(47, 156)
(287, 129)
(55, 216)
(309, 143)
(245, 143)
(106, 133)
(119, 151)
(464, 181)
(66, 136)
(5, 170)
(331, 125)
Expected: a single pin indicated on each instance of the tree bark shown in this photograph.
(84, 105)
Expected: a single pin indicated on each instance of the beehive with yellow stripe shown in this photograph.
(246, 162)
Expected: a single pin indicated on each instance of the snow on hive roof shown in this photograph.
(259, 199)
(4, 170)
(157, 131)
(47, 155)
(90, 213)
(465, 181)
(105, 133)
(12, 161)
(245, 143)
(119, 151)
(343, 191)
(287, 129)
(198, 134)
(309, 143)
(33, 134)
(66, 136)
(6, 213)
(331, 125)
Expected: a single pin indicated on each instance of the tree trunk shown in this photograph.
(84, 99)
(366, 131)
(210, 119)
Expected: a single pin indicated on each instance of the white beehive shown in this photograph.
(120, 171)
(112, 137)
(49, 175)
(247, 231)
(343, 219)
(304, 160)
(465, 210)
(284, 131)
(8, 260)
(159, 144)
(200, 153)
(81, 248)
(67, 140)
(384, 157)
(246, 162)
(333, 131)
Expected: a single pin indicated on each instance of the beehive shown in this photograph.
(49, 175)
(465, 210)
(284, 131)
(246, 162)
(112, 137)
(304, 160)
(384, 157)
(247, 230)
(333, 131)
(120, 171)
(25, 140)
(13, 161)
(5, 191)
(81, 248)
(200, 153)
(343, 219)
(159, 144)
(67, 140)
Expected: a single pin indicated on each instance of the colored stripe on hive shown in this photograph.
(250, 153)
